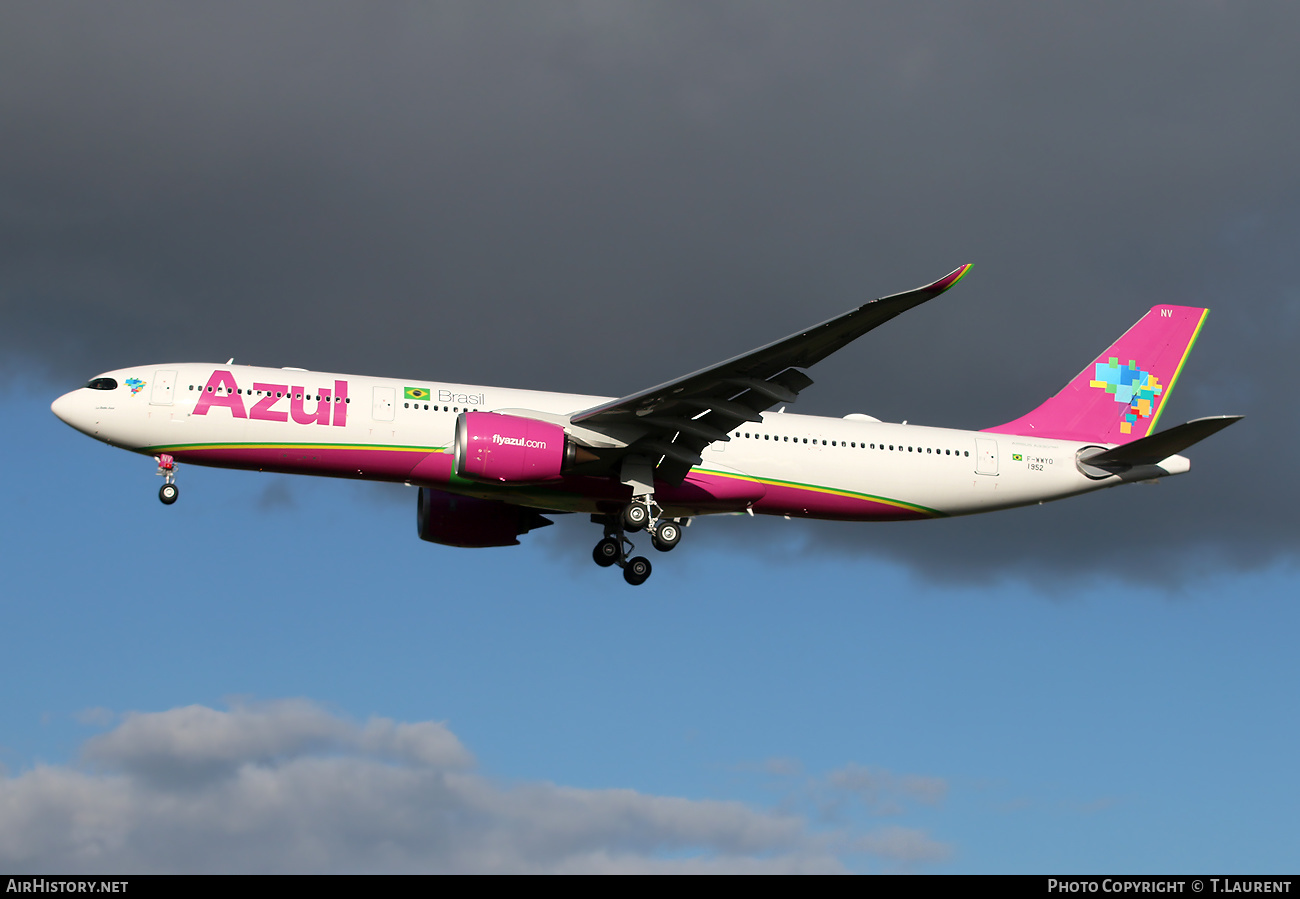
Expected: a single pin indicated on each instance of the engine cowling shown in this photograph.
(466, 521)
(510, 449)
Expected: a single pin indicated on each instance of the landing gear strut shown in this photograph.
(168, 492)
(665, 533)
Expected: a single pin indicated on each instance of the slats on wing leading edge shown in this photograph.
(690, 412)
(718, 419)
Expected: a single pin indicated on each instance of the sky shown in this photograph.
(275, 674)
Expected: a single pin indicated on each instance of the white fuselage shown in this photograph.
(403, 430)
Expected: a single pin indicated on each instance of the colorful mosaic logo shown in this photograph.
(135, 384)
(1130, 385)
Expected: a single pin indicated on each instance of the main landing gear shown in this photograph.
(640, 514)
(168, 492)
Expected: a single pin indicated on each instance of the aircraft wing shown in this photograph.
(680, 418)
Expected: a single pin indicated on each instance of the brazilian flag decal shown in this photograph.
(1016, 457)
(416, 393)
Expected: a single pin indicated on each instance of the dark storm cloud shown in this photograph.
(596, 197)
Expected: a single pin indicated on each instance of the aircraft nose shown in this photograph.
(63, 406)
(74, 411)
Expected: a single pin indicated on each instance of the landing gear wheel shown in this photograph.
(637, 570)
(168, 493)
(606, 552)
(666, 536)
(635, 517)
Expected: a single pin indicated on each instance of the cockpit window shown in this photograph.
(102, 384)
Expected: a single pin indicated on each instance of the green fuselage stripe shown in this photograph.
(183, 447)
(833, 491)
(776, 482)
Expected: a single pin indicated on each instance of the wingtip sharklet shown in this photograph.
(950, 279)
(929, 291)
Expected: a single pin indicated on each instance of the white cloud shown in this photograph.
(288, 786)
(97, 716)
(782, 767)
(903, 844)
(881, 791)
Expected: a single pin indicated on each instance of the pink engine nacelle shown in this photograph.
(508, 449)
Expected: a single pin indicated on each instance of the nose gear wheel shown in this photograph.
(168, 493)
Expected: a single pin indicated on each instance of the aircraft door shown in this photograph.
(164, 382)
(986, 456)
(384, 404)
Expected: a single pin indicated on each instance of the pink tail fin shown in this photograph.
(1119, 397)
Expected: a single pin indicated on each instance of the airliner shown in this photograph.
(490, 463)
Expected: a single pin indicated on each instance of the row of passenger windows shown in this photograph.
(242, 392)
(435, 408)
(309, 396)
(856, 445)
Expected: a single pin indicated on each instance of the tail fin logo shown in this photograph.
(1129, 385)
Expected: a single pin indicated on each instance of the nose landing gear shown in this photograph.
(168, 492)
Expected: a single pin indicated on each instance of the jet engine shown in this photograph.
(509, 449)
(466, 521)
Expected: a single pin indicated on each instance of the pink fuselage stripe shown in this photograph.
(701, 491)
(359, 462)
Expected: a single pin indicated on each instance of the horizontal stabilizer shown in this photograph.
(1158, 447)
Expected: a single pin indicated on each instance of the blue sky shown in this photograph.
(276, 674)
(1106, 728)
